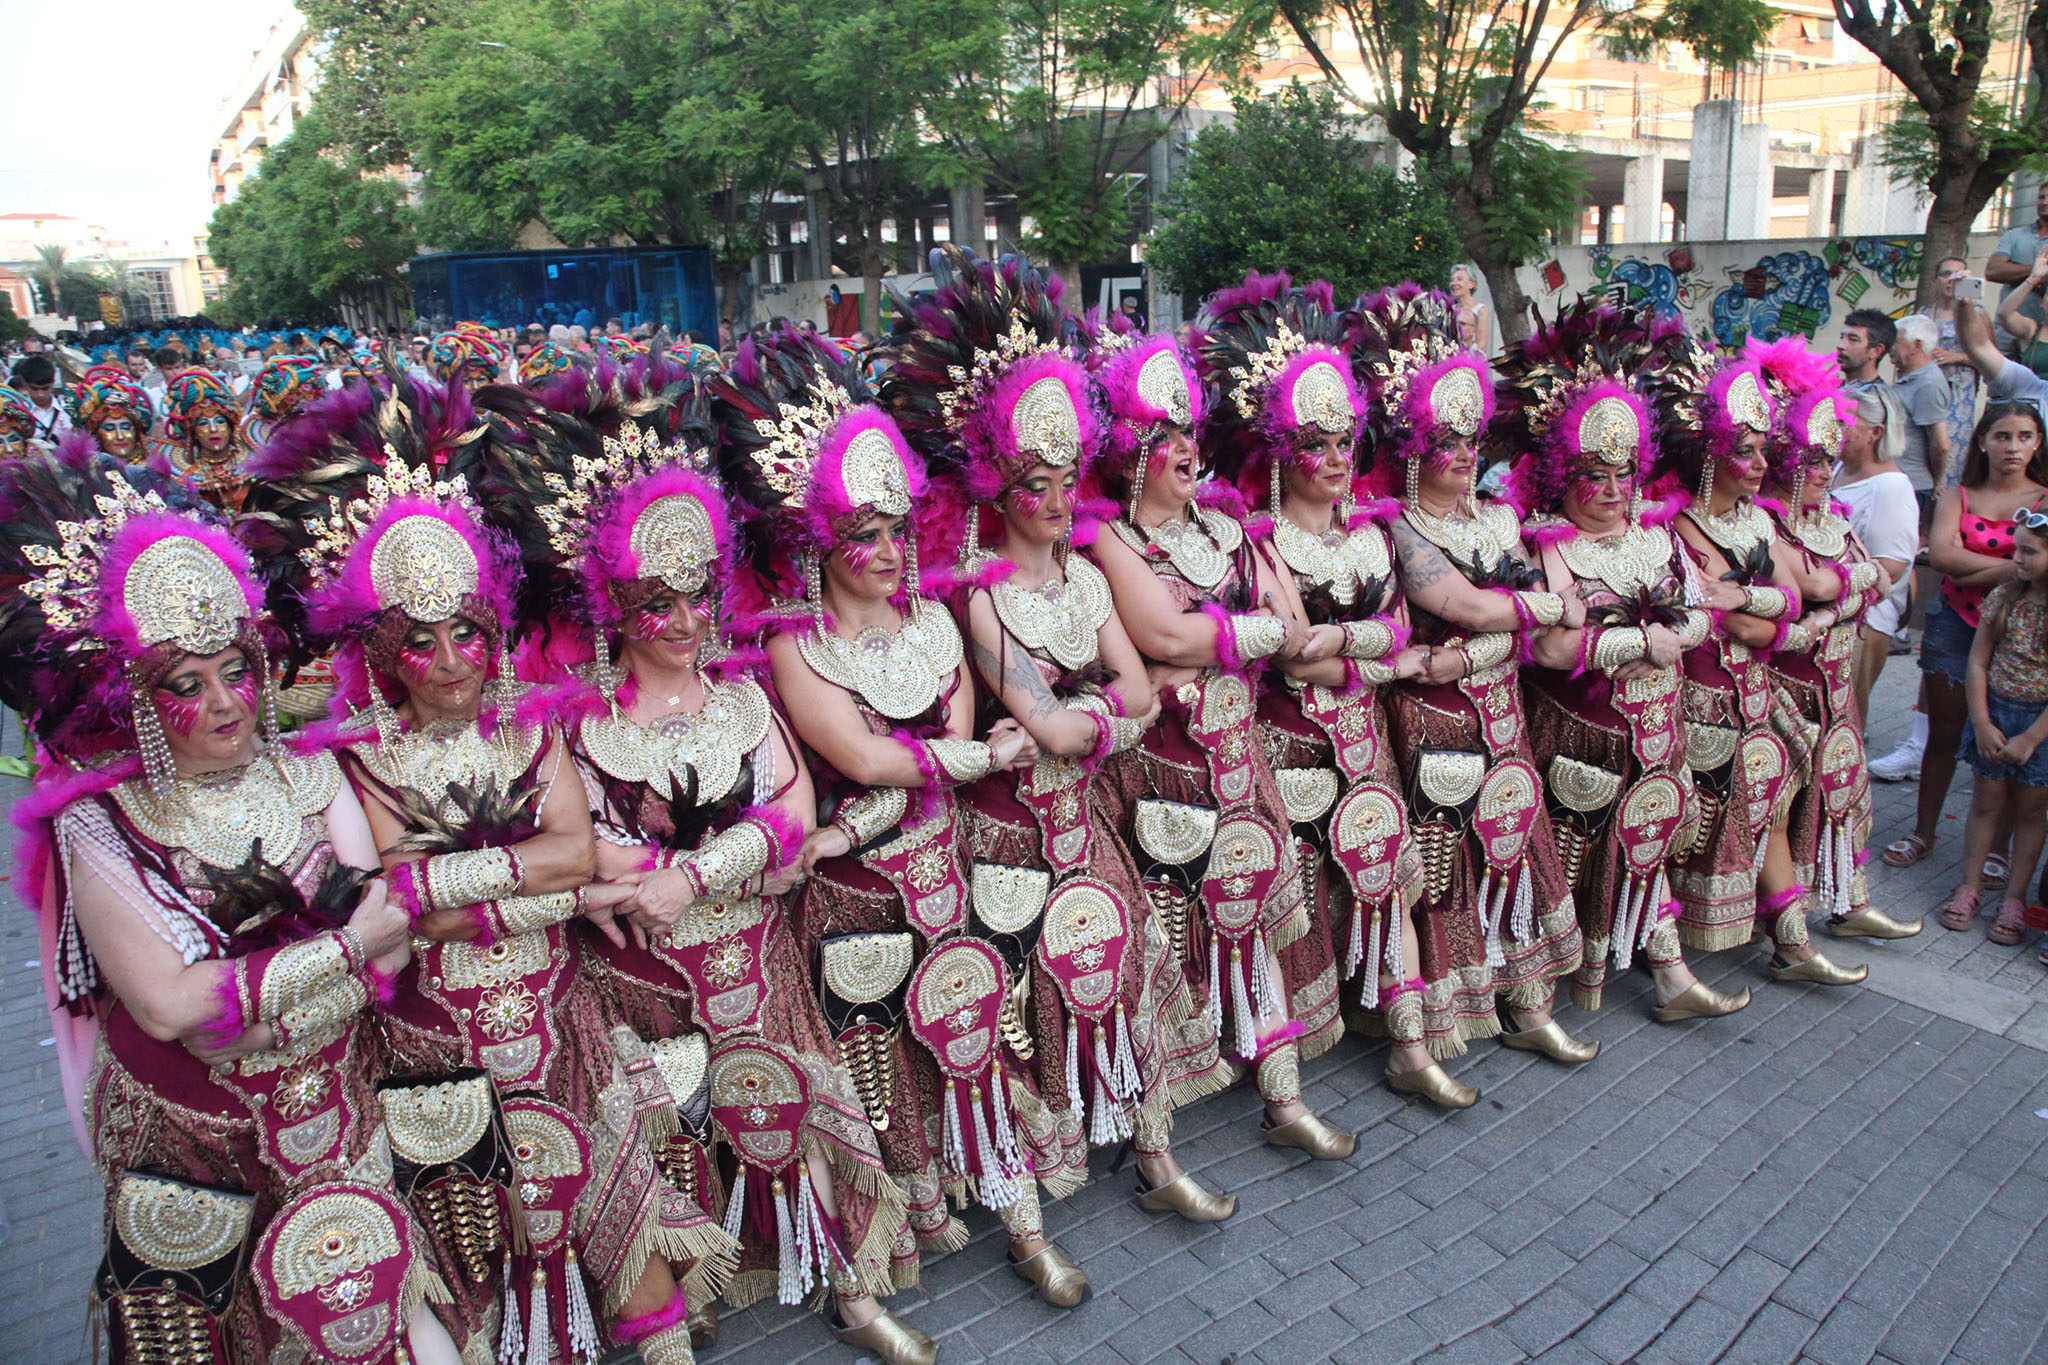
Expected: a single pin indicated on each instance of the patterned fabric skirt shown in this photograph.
(1460, 990)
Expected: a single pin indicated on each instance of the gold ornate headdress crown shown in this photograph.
(1261, 368)
(421, 564)
(792, 441)
(177, 589)
(971, 382)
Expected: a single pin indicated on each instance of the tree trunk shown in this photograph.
(1510, 304)
(1070, 272)
(1948, 232)
(872, 264)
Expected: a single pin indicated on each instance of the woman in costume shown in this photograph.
(1206, 609)
(701, 803)
(468, 355)
(873, 674)
(1603, 700)
(17, 424)
(116, 411)
(285, 384)
(1736, 881)
(201, 441)
(211, 940)
(1498, 925)
(491, 853)
(1288, 442)
(1838, 583)
(1098, 985)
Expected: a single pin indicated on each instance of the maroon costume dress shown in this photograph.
(269, 1132)
(871, 922)
(1104, 988)
(1361, 872)
(1613, 753)
(1203, 773)
(729, 969)
(1498, 918)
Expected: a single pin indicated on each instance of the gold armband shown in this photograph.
(1257, 637)
(1862, 576)
(299, 973)
(1618, 645)
(1545, 608)
(512, 916)
(1693, 633)
(1766, 603)
(1489, 650)
(318, 1019)
(961, 760)
(1797, 639)
(871, 814)
(1375, 672)
(731, 858)
(1368, 639)
(471, 877)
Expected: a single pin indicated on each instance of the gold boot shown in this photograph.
(890, 1341)
(1699, 1001)
(1552, 1041)
(1057, 1279)
(1434, 1084)
(1871, 922)
(1182, 1195)
(703, 1325)
(1818, 970)
(1310, 1134)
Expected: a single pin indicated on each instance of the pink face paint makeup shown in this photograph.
(1442, 458)
(180, 713)
(859, 556)
(642, 624)
(476, 650)
(416, 663)
(1027, 503)
(245, 689)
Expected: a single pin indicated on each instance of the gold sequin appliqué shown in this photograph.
(898, 674)
(220, 818)
(1058, 620)
(713, 742)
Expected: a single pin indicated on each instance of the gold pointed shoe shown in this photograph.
(890, 1341)
(1057, 1279)
(1310, 1134)
(1699, 1001)
(1552, 1041)
(1818, 970)
(1185, 1197)
(1871, 922)
(703, 1325)
(1434, 1084)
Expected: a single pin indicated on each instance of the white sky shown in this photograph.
(107, 106)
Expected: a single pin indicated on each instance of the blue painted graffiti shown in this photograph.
(1779, 296)
(1645, 282)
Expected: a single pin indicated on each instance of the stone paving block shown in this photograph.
(1528, 1272)
(1674, 1279)
(1745, 1282)
(1547, 1319)
(1158, 1329)
(1403, 1339)
(1622, 1329)
(1367, 1306)
(1318, 1337)
(1483, 1347)
(1241, 1284)
(1775, 1334)
(1848, 1335)
(1584, 1228)
(1698, 1334)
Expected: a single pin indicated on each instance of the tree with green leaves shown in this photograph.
(63, 287)
(1289, 184)
(1949, 138)
(1456, 82)
(1058, 102)
(373, 48)
(311, 235)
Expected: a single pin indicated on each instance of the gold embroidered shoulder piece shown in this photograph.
(898, 674)
(1638, 558)
(454, 752)
(1059, 619)
(1825, 532)
(1479, 539)
(714, 742)
(1199, 548)
(219, 818)
(1336, 560)
(1738, 530)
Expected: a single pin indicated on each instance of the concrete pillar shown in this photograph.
(1820, 203)
(818, 255)
(1731, 174)
(1603, 224)
(968, 211)
(1875, 205)
(1642, 198)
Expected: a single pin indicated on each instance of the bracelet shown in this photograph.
(352, 950)
(313, 1022)
(1375, 672)
(1795, 638)
(1487, 650)
(1258, 637)
(471, 877)
(296, 973)
(727, 860)
(1368, 639)
(1693, 633)
(962, 760)
(1862, 576)
(1542, 608)
(871, 814)
(1766, 603)
(515, 915)
(1618, 645)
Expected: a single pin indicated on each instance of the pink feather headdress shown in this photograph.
(1704, 405)
(1419, 381)
(1268, 352)
(1568, 401)
(1812, 412)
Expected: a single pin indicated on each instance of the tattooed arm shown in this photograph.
(1437, 586)
(1018, 683)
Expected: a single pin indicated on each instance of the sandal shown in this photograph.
(1961, 910)
(1907, 851)
(1995, 871)
(2011, 925)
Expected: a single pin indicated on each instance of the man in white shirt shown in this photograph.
(1886, 518)
(35, 376)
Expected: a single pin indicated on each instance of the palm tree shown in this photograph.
(48, 273)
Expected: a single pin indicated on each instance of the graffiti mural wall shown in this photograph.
(1730, 291)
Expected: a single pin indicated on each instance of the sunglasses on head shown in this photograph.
(2030, 518)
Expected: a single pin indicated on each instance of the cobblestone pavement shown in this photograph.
(1833, 1176)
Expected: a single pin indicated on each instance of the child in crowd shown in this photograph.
(2006, 683)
